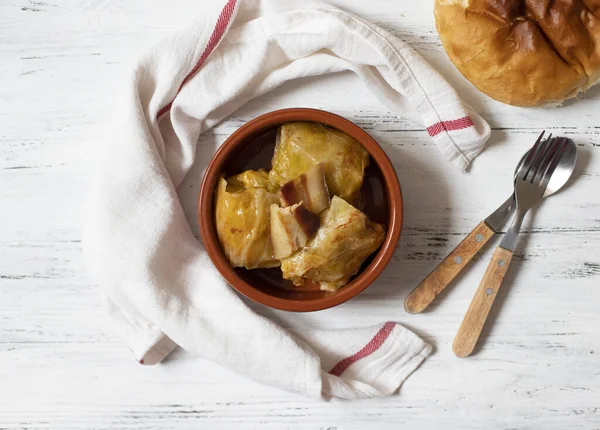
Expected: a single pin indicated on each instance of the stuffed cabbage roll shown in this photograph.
(301, 145)
(343, 242)
(242, 221)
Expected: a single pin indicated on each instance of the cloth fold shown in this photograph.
(160, 286)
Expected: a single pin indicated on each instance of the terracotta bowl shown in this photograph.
(251, 147)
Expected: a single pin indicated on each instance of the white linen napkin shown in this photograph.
(160, 285)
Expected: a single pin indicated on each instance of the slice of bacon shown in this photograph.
(310, 188)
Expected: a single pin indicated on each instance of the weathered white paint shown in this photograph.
(62, 366)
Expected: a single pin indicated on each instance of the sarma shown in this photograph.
(302, 145)
(343, 242)
(242, 221)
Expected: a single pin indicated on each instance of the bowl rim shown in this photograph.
(206, 209)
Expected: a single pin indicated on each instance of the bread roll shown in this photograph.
(523, 52)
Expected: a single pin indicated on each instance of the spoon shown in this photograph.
(546, 160)
(458, 258)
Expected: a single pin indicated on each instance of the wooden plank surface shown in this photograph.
(62, 365)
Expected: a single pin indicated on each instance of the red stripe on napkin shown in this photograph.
(369, 349)
(455, 124)
(213, 41)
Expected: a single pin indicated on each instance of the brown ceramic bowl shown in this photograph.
(251, 147)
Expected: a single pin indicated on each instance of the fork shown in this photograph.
(531, 181)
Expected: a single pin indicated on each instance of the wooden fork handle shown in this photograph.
(447, 270)
(480, 306)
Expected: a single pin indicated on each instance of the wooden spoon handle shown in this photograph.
(472, 324)
(448, 269)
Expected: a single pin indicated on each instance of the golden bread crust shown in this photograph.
(523, 52)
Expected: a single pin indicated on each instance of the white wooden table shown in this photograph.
(61, 364)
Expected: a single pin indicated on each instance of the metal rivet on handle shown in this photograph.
(458, 259)
(479, 237)
(501, 263)
(489, 291)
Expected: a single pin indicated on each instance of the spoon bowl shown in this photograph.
(564, 169)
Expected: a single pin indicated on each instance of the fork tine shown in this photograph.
(553, 163)
(538, 158)
(530, 156)
(545, 158)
